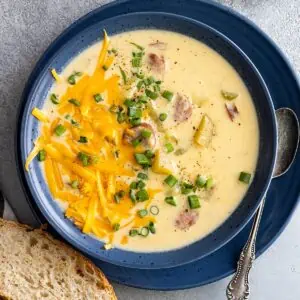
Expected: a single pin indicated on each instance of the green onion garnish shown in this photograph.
(121, 117)
(85, 159)
(105, 68)
(154, 210)
(194, 201)
(41, 155)
(142, 176)
(129, 103)
(140, 84)
(245, 177)
(73, 122)
(200, 181)
(133, 185)
(116, 227)
(114, 51)
(142, 195)
(134, 112)
(60, 130)
(169, 147)
(146, 133)
(141, 184)
(83, 140)
(151, 227)
(167, 95)
(132, 196)
(171, 180)
(136, 142)
(152, 95)
(135, 121)
(209, 183)
(186, 188)
(136, 62)
(98, 98)
(75, 184)
(171, 200)
(144, 231)
(123, 74)
(228, 95)
(149, 80)
(67, 117)
(142, 213)
(133, 232)
(149, 154)
(54, 99)
(142, 159)
(137, 46)
(74, 101)
(72, 78)
(118, 196)
(163, 116)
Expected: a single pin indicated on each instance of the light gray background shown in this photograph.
(27, 27)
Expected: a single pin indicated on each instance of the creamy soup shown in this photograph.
(149, 140)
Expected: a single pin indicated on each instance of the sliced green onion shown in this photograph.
(85, 159)
(129, 103)
(171, 180)
(142, 176)
(75, 184)
(209, 183)
(136, 142)
(105, 68)
(169, 147)
(135, 121)
(142, 195)
(41, 155)
(54, 99)
(149, 154)
(194, 201)
(142, 159)
(133, 185)
(228, 95)
(149, 80)
(123, 74)
(167, 95)
(141, 184)
(154, 210)
(74, 101)
(98, 98)
(73, 122)
(136, 62)
(121, 117)
(146, 133)
(144, 231)
(245, 177)
(152, 95)
(142, 99)
(133, 232)
(72, 78)
(118, 196)
(60, 130)
(137, 46)
(67, 117)
(200, 181)
(134, 112)
(140, 84)
(151, 227)
(116, 227)
(142, 213)
(139, 75)
(163, 116)
(83, 140)
(132, 196)
(114, 51)
(171, 200)
(186, 188)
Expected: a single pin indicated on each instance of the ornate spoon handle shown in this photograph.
(238, 287)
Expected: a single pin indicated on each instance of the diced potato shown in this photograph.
(204, 132)
(162, 164)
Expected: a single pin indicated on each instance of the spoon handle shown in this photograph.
(238, 288)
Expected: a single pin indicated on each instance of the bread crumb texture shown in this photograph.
(35, 266)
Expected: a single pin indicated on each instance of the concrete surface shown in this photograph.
(28, 26)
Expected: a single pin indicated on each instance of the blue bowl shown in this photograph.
(83, 34)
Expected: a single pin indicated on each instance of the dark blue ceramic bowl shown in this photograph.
(81, 35)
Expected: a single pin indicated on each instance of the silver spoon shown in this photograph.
(288, 140)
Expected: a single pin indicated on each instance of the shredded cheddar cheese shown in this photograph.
(39, 115)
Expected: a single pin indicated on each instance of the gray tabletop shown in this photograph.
(27, 27)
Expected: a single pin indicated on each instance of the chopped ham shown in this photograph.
(157, 63)
(231, 110)
(159, 45)
(186, 219)
(183, 108)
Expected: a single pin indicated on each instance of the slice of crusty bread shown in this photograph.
(35, 266)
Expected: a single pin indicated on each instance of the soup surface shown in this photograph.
(148, 140)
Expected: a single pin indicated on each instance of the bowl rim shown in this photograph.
(32, 85)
